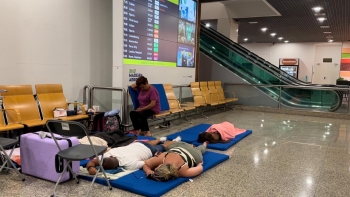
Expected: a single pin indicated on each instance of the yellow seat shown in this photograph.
(13, 126)
(175, 105)
(210, 99)
(20, 98)
(215, 96)
(222, 93)
(51, 96)
(198, 98)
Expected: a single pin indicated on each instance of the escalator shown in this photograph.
(255, 70)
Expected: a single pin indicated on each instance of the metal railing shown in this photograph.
(123, 92)
(180, 90)
(85, 101)
(295, 87)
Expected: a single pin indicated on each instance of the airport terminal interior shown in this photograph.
(277, 72)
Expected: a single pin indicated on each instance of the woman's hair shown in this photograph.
(165, 172)
(208, 137)
(141, 80)
(110, 163)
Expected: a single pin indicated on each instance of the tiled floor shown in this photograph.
(286, 155)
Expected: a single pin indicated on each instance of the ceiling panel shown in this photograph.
(298, 22)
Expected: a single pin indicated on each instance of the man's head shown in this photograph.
(142, 83)
(110, 163)
(165, 172)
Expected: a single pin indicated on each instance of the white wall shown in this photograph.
(56, 41)
(304, 51)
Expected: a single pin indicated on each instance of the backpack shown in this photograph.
(113, 123)
(109, 123)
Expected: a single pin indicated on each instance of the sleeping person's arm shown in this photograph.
(91, 166)
(191, 172)
(151, 164)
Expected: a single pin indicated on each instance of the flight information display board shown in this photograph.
(160, 32)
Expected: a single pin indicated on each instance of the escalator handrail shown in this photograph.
(222, 37)
(248, 58)
(270, 65)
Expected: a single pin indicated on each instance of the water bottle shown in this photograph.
(75, 106)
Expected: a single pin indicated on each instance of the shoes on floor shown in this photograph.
(163, 139)
(177, 139)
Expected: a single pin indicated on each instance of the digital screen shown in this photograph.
(160, 32)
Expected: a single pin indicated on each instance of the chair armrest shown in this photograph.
(203, 98)
(19, 120)
(178, 103)
(211, 94)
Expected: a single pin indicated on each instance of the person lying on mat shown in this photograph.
(130, 157)
(149, 105)
(220, 133)
(180, 160)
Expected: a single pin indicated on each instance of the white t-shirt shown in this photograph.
(132, 156)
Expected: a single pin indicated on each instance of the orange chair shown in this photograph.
(221, 92)
(20, 98)
(51, 96)
(175, 105)
(212, 97)
(11, 126)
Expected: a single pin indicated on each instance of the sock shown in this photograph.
(177, 139)
(162, 139)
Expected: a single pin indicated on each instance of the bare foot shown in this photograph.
(148, 133)
(205, 144)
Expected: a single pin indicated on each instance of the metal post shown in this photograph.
(180, 95)
(279, 98)
(348, 100)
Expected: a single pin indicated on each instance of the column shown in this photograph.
(228, 27)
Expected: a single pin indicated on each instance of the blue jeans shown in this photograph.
(154, 149)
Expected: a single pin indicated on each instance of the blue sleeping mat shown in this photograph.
(137, 182)
(190, 135)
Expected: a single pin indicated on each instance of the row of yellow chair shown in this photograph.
(21, 108)
(210, 93)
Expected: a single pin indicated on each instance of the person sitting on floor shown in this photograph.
(149, 105)
(219, 133)
(180, 160)
(130, 157)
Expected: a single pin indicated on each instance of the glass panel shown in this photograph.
(252, 72)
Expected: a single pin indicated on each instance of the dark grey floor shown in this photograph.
(286, 155)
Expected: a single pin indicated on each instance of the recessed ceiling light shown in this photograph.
(317, 9)
(327, 32)
(280, 38)
(253, 22)
(263, 29)
(325, 27)
(207, 25)
(286, 41)
(273, 34)
(321, 19)
(245, 39)
(330, 40)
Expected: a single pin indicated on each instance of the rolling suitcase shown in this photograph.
(39, 156)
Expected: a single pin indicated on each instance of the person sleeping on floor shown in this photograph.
(220, 133)
(180, 160)
(130, 157)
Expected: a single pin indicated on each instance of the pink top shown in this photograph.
(226, 130)
(145, 98)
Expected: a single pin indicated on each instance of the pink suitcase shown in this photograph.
(38, 156)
